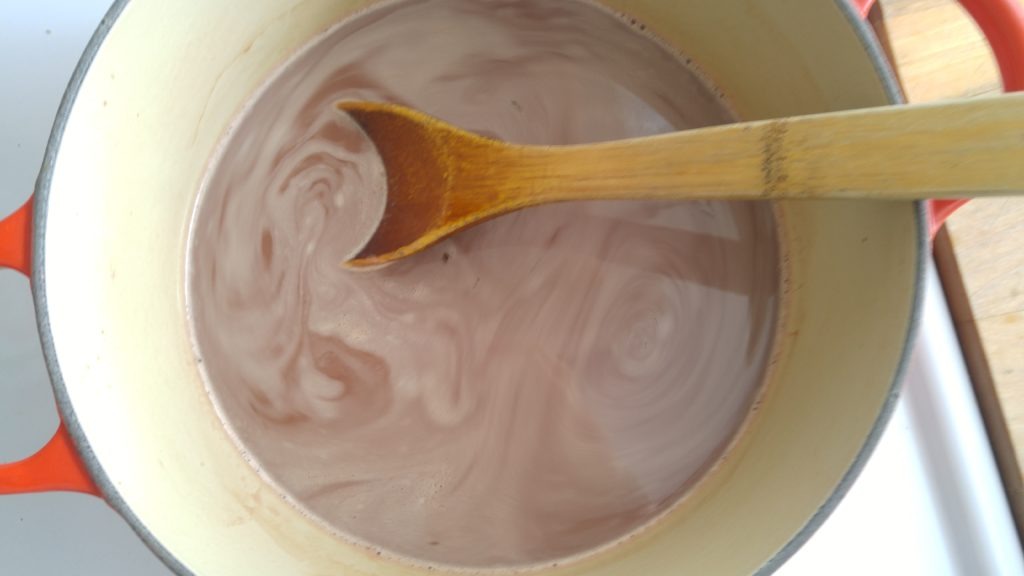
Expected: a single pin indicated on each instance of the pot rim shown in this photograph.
(114, 499)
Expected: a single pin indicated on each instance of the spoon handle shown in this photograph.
(961, 148)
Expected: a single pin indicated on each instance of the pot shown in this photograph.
(105, 239)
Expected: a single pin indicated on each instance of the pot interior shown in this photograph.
(115, 213)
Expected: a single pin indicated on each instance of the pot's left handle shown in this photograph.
(57, 466)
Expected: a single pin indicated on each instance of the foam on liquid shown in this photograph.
(529, 390)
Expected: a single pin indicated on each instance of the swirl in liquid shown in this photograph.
(529, 390)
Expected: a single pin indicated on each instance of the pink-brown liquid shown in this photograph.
(530, 390)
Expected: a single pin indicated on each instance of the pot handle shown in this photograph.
(1002, 23)
(57, 466)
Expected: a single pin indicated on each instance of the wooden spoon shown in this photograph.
(442, 179)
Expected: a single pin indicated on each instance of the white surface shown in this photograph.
(928, 502)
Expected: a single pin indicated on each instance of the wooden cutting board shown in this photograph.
(941, 54)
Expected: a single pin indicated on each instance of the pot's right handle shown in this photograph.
(57, 465)
(1002, 23)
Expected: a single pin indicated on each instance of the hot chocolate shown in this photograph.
(532, 389)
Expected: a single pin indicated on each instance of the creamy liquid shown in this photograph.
(529, 390)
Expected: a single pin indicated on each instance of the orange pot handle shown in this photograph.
(863, 7)
(57, 466)
(1002, 23)
(16, 239)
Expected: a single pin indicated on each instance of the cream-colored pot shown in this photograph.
(151, 99)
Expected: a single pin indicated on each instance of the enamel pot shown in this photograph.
(104, 243)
